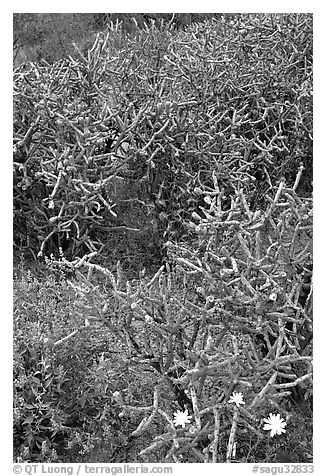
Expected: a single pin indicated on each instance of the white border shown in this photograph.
(319, 186)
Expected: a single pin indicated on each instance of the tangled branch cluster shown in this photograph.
(240, 287)
(154, 114)
(211, 130)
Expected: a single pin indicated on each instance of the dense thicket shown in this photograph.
(141, 122)
(188, 151)
(49, 36)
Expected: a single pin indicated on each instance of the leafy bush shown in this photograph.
(63, 390)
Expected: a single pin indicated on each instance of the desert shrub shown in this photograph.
(50, 36)
(38, 313)
(230, 312)
(148, 117)
(195, 144)
(63, 390)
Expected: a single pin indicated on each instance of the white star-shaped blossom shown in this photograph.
(275, 424)
(181, 418)
(236, 398)
(272, 297)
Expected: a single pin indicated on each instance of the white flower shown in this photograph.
(275, 424)
(272, 297)
(181, 418)
(149, 319)
(236, 398)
